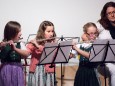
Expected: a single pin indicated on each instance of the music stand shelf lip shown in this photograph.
(52, 63)
(103, 62)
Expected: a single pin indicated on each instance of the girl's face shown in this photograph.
(17, 37)
(92, 33)
(49, 32)
(111, 14)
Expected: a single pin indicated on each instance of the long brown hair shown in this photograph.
(42, 28)
(12, 28)
(104, 20)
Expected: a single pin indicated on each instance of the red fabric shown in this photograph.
(35, 55)
(48, 69)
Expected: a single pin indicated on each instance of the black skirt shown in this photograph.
(85, 76)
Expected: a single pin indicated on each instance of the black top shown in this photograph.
(112, 30)
(9, 55)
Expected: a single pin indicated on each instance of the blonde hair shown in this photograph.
(87, 25)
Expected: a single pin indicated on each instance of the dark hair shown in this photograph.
(12, 28)
(104, 20)
(42, 28)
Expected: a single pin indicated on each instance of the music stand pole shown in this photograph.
(107, 45)
(55, 82)
(62, 75)
(62, 38)
(58, 47)
(61, 63)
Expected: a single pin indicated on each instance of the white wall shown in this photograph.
(68, 16)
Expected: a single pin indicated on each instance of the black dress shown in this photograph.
(85, 75)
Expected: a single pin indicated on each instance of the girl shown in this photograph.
(40, 75)
(11, 72)
(85, 75)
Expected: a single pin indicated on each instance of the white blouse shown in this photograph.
(103, 33)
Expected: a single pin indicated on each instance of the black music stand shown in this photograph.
(103, 51)
(54, 53)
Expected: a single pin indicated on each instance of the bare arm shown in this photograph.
(23, 53)
(34, 42)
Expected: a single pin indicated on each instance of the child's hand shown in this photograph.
(2, 44)
(34, 42)
(11, 43)
(84, 37)
(74, 45)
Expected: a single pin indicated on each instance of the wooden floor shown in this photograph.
(69, 74)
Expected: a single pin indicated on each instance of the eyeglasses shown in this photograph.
(92, 33)
(92, 36)
(111, 13)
